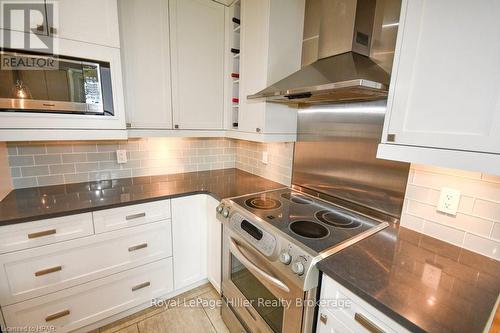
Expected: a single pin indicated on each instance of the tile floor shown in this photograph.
(177, 316)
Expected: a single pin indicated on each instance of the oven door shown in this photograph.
(262, 299)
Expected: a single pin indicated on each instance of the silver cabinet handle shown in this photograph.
(368, 324)
(40, 27)
(245, 261)
(137, 247)
(323, 318)
(140, 286)
(57, 315)
(41, 233)
(52, 30)
(48, 271)
(135, 216)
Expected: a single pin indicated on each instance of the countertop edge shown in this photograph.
(103, 207)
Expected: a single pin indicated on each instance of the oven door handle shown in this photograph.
(235, 248)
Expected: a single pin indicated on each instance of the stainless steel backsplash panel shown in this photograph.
(335, 155)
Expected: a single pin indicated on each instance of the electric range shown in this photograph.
(273, 240)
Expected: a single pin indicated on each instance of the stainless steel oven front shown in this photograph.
(258, 295)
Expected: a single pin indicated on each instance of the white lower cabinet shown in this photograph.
(108, 264)
(47, 269)
(341, 311)
(189, 239)
(76, 307)
(214, 249)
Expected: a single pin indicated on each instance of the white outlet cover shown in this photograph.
(449, 200)
(121, 156)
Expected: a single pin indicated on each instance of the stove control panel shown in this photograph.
(264, 241)
(295, 258)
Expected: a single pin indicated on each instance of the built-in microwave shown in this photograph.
(54, 84)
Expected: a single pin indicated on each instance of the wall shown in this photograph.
(51, 163)
(280, 159)
(5, 180)
(477, 223)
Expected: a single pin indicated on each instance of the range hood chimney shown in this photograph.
(347, 53)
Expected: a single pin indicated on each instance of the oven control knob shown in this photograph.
(225, 212)
(220, 208)
(285, 258)
(298, 268)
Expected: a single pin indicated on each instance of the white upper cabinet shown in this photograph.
(145, 50)
(91, 21)
(271, 47)
(197, 57)
(445, 90)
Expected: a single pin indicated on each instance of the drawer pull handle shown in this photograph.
(368, 324)
(140, 286)
(48, 271)
(134, 216)
(41, 233)
(57, 315)
(323, 318)
(137, 247)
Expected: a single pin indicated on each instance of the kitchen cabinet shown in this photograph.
(444, 105)
(91, 21)
(189, 235)
(341, 311)
(37, 17)
(74, 308)
(214, 244)
(145, 41)
(197, 57)
(271, 47)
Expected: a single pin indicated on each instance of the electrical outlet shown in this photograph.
(121, 156)
(265, 157)
(449, 200)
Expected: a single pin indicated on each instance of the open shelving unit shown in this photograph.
(235, 24)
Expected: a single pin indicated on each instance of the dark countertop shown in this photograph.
(389, 270)
(23, 205)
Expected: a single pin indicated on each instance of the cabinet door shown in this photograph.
(91, 21)
(197, 37)
(16, 10)
(214, 240)
(445, 90)
(189, 235)
(146, 63)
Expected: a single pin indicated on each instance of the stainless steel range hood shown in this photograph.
(347, 53)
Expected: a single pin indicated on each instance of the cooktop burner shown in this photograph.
(309, 229)
(263, 203)
(297, 198)
(315, 223)
(337, 219)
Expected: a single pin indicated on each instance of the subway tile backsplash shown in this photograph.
(51, 163)
(477, 223)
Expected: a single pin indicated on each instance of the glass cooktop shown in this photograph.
(315, 223)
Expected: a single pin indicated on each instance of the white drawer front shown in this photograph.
(27, 235)
(128, 216)
(93, 301)
(35, 272)
(358, 315)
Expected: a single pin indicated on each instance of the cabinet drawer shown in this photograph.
(35, 272)
(88, 303)
(27, 235)
(128, 216)
(357, 315)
